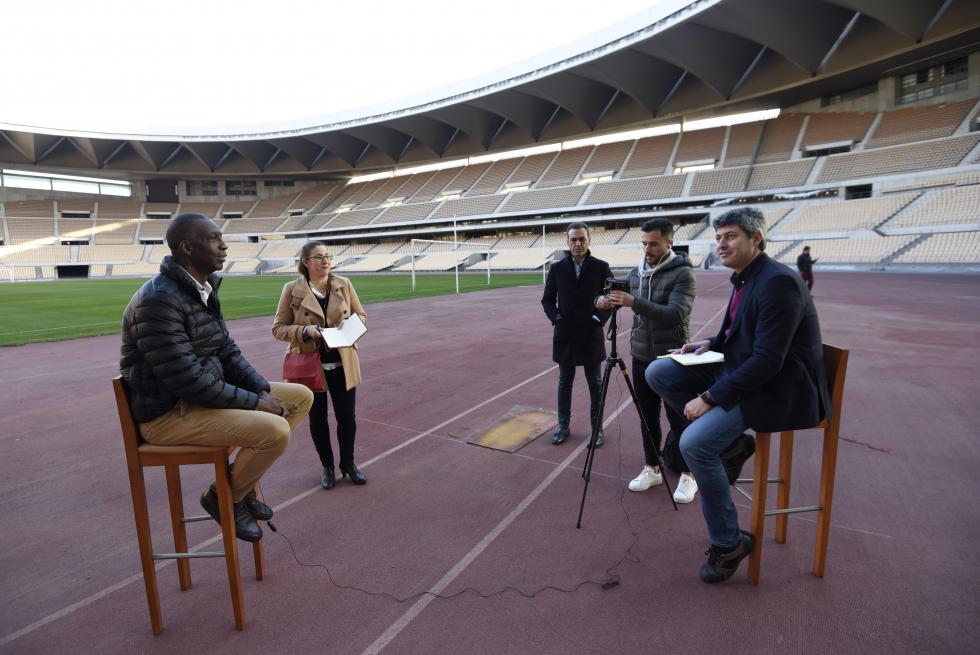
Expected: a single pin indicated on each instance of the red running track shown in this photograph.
(438, 514)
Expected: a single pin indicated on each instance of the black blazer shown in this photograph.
(569, 304)
(774, 356)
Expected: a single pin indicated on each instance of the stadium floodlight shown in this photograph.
(657, 130)
(731, 119)
(370, 177)
(513, 154)
(427, 168)
(26, 182)
(70, 183)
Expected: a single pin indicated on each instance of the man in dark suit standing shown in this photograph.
(570, 294)
(772, 378)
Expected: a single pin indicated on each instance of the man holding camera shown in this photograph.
(661, 293)
(570, 293)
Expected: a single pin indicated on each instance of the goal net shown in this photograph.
(430, 255)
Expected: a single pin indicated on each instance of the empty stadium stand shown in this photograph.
(834, 127)
(959, 204)
(919, 164)
(650, 156)
(920, 123)
(940, 153)
(846, 216)
(943, 248)
(851, 250)
(565, 168)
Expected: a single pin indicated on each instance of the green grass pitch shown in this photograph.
(67, 309)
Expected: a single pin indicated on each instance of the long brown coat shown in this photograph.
(298, 307)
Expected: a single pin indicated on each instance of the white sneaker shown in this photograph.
(649, 477)
(686, 489)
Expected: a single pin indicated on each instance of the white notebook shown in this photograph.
(690, 359)
(344, 336)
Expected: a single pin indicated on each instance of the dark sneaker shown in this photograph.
(246, 528)
(721, 566)
(561, 435)
(259, 510)
(736, 455)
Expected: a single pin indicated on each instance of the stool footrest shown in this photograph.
(793, 510)
(196, 519)
(203, 553)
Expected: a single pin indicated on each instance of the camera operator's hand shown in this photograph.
(696, 347)
(602, 303)
(620, 299)
(271, 404)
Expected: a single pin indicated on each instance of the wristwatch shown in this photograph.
(707, 399)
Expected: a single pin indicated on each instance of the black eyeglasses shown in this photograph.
(322, 258)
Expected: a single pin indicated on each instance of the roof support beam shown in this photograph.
(840, 39)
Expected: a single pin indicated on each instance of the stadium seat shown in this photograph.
(140, 455)
(835, 364)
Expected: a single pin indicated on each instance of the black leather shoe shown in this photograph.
(259, 510)
(721, 566)
(329, 478)
(246, 528)
(561, 435)
(350, 471)
(735, 456)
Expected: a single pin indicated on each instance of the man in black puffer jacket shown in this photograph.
(189, 383)
(661, 294)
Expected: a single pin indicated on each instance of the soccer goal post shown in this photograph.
(434, 255)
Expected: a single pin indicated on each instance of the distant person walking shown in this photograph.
(804, 264)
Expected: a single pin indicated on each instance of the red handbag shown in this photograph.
(305, 369)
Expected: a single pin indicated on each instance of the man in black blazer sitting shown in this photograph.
(772, 378)
(570, 294)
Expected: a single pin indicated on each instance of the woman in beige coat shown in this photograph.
(320, 299)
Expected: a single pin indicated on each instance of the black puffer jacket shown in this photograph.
(176, 348)
(662, 313)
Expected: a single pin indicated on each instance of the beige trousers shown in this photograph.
(262, 436)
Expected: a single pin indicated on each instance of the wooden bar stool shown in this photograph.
(835, 364)
(139, 455)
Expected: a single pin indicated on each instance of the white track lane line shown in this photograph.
(88, 600)
(467, 559)
(395, 628)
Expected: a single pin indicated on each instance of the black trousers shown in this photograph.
(343, 409)
(650, 403)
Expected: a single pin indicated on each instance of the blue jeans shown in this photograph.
(703, 441)
(566, 377)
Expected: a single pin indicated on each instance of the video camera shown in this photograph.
(612, 284)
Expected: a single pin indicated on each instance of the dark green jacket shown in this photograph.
(662, 308)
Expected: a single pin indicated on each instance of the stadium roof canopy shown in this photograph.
(709, 57)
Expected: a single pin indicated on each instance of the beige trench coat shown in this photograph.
(298, 308)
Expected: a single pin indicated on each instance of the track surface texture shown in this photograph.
(496, 531)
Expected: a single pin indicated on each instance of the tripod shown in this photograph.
(615, 360)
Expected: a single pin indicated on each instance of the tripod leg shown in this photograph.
(590, 450)
(646, 431)
(597, 420)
